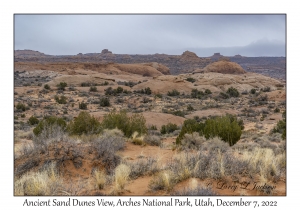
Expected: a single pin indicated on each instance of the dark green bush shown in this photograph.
(207, 91)
(33, 120)
(49, 122)
(228, 128)
(147, 91)
(223, 95)
(93, 89)
(197, 93)
(110, 91)
(21, 107)
(82, 105)
(84, 123)
(125, 123)
(190, 126)
(253, 91)
(60, 100)
(276, 110)
(178, 113)
(158, 95)
(104, 102)
(281, 126)
(173, 93)
(47, 87)
(233, 92)
(119, 90)
(169, 128)
(62, 86)
(190, 79)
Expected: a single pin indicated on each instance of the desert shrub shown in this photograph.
(61, 99)
(21, 107)
(192, 141)
(276, 110)
(130, 84)
(223, 95)
(93, 89)
(104, 102)
(146, 91)
(164, 180)
(152, 140)
(174, 92)
(119, 90)
(23, 115)
(141, 167)
(197, 93)
(110, 91)
(48, 124)
(190, 108)
(62, 86)
(44, 183)
(82, 105)
(158, 95)
(168, 128)
(226, 127)
(127, 124)
(189, 126)
(106, 145)
(253, 91)
(194, 191)
(47, 87)
(178, 113)
(207, 91)
(33, 120)
(266, 89)
(190, 79)
(104, 83)
(84, 123)
(215, 145)
(233, 92)
(280, 128)
(152, 127)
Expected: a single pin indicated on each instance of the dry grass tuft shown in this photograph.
(122, 173)
(100, 178)
(46, 182)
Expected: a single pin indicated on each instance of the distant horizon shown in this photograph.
(147, 53)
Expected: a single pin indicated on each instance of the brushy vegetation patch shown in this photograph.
(62, 86)
(124, 122)
(84, 123)
(228, 128)
(44, 183)
(174, 92)
(233, 92)
(61, 99)
(48, 124)
(168, 128)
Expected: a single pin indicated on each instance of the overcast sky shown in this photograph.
(249, 35)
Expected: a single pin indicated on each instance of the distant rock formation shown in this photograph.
(222, 66)
(188, 56)
(104, 51)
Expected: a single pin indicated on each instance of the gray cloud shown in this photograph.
(148, 34)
